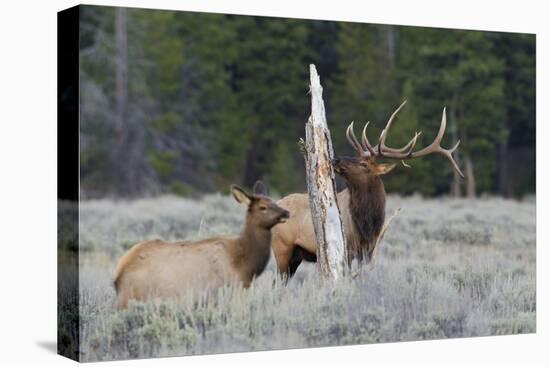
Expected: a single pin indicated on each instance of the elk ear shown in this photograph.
(259, 188)
(382, 169)
(240, 195)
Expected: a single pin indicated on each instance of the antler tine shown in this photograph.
(408, 147)
(403, 153)
(407, 151)
(365, 149)
(412, 143)
(386, 151)
(381, 143)
(435, 146)
(448, 153)
(350, 134)
(365, 140)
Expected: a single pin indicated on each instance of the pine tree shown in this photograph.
(461, 67)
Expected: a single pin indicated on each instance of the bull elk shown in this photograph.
(362, 204)
(158, 269)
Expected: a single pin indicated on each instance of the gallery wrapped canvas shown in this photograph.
(232, 183)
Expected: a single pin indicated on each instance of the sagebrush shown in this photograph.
(446, 268)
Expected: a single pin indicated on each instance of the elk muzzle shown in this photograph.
(284, 216)
(341, 165)
(337, 166)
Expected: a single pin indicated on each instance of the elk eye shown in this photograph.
(263, 208)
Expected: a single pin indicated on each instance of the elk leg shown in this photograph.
(309, 256)
(288, 261)
(298, 255)
(295, 260)
(283, 254)
(122, 300)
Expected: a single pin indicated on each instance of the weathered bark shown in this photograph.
(121, 67)
(503, 176)
(470, 177)
(329, 230)
(456, 190)
(121, 155)
(390, 41)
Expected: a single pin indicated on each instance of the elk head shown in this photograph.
(355, 170)
(261, 209)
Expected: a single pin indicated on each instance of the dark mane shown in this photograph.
(368, 210)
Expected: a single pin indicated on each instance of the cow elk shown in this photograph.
(362, 204)
(158, 269)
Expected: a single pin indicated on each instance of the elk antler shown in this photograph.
(366, 150)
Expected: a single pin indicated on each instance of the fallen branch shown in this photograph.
(383, 231)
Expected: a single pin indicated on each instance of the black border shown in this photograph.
(68, 94)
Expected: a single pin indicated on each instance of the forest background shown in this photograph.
(187, 103)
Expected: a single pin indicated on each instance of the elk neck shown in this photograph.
(253, 248)
(367, 205)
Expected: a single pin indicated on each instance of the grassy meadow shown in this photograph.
(446, 268)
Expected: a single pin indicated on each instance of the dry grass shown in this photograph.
(446, 268)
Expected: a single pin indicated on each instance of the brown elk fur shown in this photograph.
(362, 204)
(159, 269)
(363, 209)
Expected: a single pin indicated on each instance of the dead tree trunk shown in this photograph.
(503, 174)
(121, 68)
(470, 177)
(125, 143)
(329, 230)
